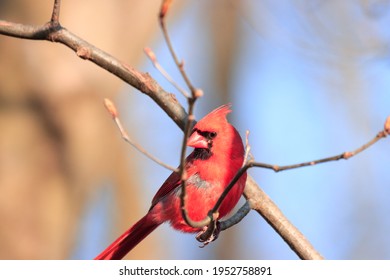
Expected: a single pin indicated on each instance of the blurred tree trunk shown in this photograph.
(57, 143)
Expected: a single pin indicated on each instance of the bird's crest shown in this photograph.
(215, 118)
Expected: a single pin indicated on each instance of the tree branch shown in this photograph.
(262, 204)
(345, 155)
(139, 80)
(55, 16)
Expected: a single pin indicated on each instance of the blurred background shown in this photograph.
(309, 79)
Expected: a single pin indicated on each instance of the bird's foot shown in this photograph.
(207, 236)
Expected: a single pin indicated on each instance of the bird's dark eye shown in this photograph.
(212, 134)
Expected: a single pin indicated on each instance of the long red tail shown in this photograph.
(129, 239)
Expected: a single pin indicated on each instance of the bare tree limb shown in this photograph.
(262, 204)
(139, 80)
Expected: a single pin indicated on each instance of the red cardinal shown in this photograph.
(218, 155)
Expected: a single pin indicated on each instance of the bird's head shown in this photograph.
(213, 133)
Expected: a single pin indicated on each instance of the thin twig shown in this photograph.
(179, 64)
(114, 114)
(55, 16)
(247, 148)
(163, 72)
(345, 155)
(195, 94)
(183, 176)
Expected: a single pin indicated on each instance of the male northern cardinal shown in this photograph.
(218, 155)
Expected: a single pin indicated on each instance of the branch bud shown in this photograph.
(150, 54)
(110, 108)
(198, 93)
(387, 125)
(347, 155)
(165, 7)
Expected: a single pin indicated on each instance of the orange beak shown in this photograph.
(197, 141)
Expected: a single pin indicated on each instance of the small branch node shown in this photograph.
(83, 52)
(387, 126)
(347, 155)
(184, 176)
(148, 51)
(191, 117)
(164, 8)
(110, 108)
(198, 93)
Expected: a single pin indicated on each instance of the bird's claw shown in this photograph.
(201, 238)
